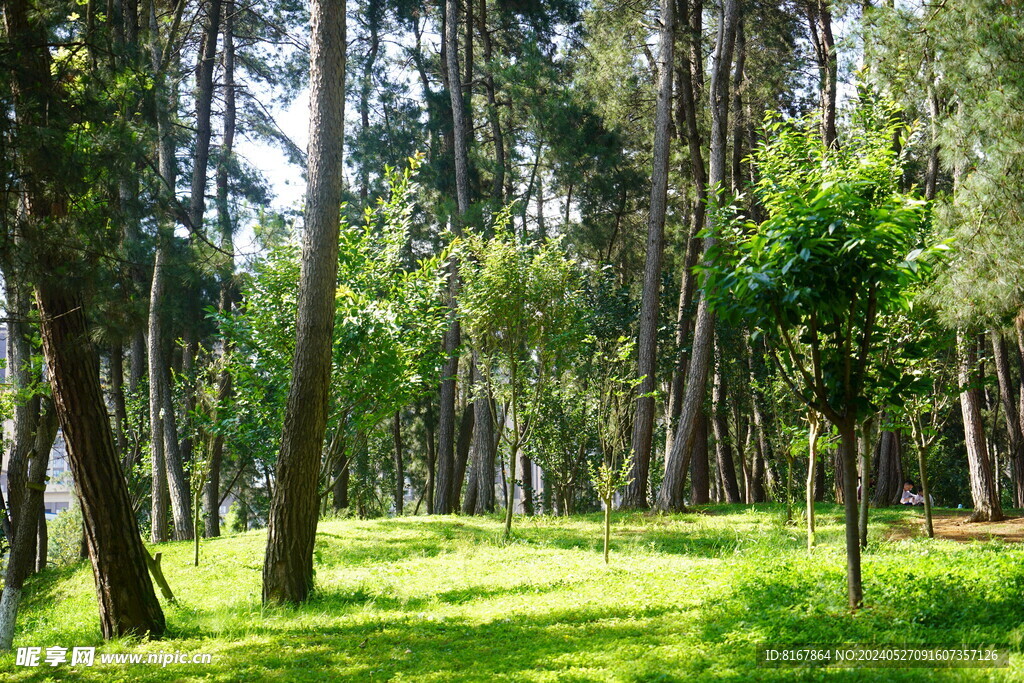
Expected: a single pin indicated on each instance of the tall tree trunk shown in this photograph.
(227, 294)
(700, 485)
(288, 566)
(1008, 397)
(117, 398)
(462, 447)
(723, 443)
(635, 495)
(373, 16)
(21, 560)
(446, 410)
(498, 186)
(888, 485)
(690, 60)
(983, 490)
(396, 432)
(819, 19)
(27, 406)
(126, 598)
(670, 497)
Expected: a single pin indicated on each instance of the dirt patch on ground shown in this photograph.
(955, 527)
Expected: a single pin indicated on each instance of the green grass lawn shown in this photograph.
(685, 597)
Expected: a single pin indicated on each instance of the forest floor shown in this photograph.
(685, 597)
(955, 526)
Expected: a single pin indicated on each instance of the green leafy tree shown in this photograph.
(841, 248)
(522, 306)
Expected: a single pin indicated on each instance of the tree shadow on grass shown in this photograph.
(786, 605)
(575, 644)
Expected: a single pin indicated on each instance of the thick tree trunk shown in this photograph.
(127, 602)
(670, 497)
(288, 566)
(983, 491)
(462, 447)
(484, 449)
(635, 495)
(888, 485)
(342, 475)
(526, 467)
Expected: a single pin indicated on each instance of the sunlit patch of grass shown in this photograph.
(685, 597)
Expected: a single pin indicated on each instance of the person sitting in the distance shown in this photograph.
(909, 497)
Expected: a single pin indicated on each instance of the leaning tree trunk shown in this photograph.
(635, 495)
(288, 565)
(20, 561)
(983, 490)
(128, 605)
(670, 497)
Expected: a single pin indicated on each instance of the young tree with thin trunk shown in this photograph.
(841, 247)
(288, 565)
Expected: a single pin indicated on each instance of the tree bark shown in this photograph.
(700, 485)
(26, 407)
(462, 447)
(446, 410)
(1008, 397)
(819, 19)
(723, 443)
(983, 491)
(23, 551)
(396, 431)
(847, 455)
(888, 486)
(670, 496)
(226, 275)
(288, 565)
(635, 495)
